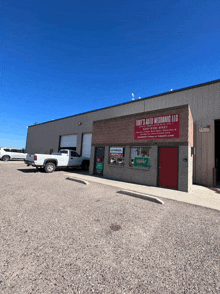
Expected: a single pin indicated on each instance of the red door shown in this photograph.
(168, 167)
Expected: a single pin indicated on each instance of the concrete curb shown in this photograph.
(142, 196)
(77, 180)
(199, 195)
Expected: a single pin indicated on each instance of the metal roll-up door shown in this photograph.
(68, 142)
(86, 146)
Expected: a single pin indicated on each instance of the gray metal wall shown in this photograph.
(204, 103)
(43, 137)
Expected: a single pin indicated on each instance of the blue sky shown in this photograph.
(60, 58)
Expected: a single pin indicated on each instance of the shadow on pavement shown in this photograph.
(31, 170)
(77, 171)
(216, 190)
(71, 171)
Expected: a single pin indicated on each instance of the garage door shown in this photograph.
(68, 141)
(86, 147)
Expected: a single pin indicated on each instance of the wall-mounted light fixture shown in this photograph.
(80, 123)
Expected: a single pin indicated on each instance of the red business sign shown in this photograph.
(159, 127)
(116, 154)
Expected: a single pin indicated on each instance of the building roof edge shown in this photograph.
(146, 98)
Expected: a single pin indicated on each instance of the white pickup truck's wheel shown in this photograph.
(85, 165)
(6, 158)
(49, 167)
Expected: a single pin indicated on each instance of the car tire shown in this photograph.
(49, 167)
(6, 158)
(85, 165)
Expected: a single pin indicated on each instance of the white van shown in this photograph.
(7, 154)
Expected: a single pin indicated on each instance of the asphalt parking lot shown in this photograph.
(61, 236)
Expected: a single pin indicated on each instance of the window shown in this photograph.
(14, 150)
(74, 154)
(139, 157)
(64, 151)
(116, 156)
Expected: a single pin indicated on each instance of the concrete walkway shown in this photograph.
(199, 195)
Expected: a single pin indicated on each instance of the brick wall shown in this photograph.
(131, 174)
(190, 128)
(120, 130)
(185, 169)
(92, 158)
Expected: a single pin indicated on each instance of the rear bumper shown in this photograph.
(28, 162)
(31, 163)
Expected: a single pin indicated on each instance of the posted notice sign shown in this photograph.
(116, 152)
(99, 165)
(159, 127)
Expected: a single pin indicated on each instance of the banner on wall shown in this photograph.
(159, 127)
(141, 162)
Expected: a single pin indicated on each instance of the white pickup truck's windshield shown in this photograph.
(63, 151)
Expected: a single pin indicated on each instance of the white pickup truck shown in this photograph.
(49, 162)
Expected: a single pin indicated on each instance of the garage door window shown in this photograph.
(69, 142)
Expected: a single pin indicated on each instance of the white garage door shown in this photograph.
(86, 147)
(68, 141)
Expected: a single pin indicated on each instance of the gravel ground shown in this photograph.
(60, 236)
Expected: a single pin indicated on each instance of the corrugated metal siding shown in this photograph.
(204, 103)
(205, 107)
